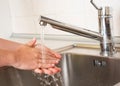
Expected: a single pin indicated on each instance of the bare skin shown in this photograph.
(28, 57)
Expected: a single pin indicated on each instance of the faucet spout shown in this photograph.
(69, 28)
(104, 36)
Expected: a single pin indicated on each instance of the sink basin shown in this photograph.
(86, 70)
(78, 69)
(14, 77)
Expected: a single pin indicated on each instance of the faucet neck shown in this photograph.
(105, 29)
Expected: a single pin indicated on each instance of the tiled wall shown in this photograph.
(25, 14)
(5, 20)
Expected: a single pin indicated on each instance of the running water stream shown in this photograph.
(48, 80)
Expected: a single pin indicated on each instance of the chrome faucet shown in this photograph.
(105, 25)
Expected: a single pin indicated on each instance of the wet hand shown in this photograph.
(54, 56)
(49, 71)
(29, 57)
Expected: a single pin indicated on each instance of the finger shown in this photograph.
(38, 71)
(48, 51)
(49, 55)
(46, 71)
(55, 70)
(46, 57)
(32, 42)
(57, 55)
(53, 53)
(40, 65)
(48, 61)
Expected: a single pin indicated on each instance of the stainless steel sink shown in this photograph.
(14, 77)
(88, 70)
(78, 69)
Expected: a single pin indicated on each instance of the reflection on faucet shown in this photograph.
(104, 36)
(70, 28)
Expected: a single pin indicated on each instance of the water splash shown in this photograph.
(47, 80)
(50, 80)
(42, 43)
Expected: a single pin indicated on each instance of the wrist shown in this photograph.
(10, 58)
(6, 58)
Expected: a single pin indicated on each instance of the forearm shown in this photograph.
(8, 45)
(6, 51)
(6, 58)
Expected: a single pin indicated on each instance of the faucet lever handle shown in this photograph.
(98, 8)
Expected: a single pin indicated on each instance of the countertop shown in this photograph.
(56, 44)
(53, 44)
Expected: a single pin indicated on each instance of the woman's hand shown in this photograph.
(50, 71)
(48, 52)
(29, 57)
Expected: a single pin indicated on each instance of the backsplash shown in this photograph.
(25, 14)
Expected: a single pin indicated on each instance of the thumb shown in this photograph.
(31, 43)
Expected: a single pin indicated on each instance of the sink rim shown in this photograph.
(87, 47)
